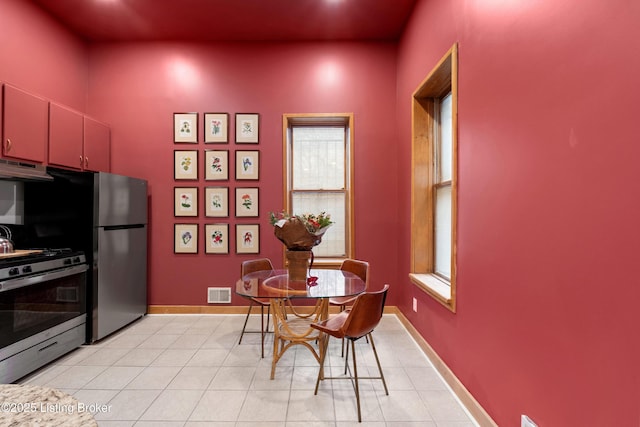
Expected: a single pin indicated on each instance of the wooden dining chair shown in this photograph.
(360, 269)
(360, 321)
(250, 266)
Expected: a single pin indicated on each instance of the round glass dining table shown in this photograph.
(321, 283)
(291, 323)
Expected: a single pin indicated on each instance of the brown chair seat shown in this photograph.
(357, 322)
(360, 269)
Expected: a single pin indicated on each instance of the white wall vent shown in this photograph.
(219, 295)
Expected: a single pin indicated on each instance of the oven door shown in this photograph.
(32, 304)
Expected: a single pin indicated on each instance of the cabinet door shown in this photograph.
(26, 119)
(65, 137)
(97, 146)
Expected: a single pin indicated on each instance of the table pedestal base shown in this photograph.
(294, 328)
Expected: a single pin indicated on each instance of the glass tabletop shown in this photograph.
(276, 284)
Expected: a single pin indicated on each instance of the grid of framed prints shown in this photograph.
(218, 197)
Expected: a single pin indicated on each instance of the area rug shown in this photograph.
(37, 406)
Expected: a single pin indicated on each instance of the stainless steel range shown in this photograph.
(42, 308)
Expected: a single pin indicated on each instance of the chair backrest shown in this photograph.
(365, 313)
(252, 265)
(357, 267)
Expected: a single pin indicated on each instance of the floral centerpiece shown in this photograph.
(299, 233)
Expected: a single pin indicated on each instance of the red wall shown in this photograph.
(548, 240)
(546, 322)
(138, 87)
(40, 56)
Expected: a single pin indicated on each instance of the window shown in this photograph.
(434, 182)
(318, 177)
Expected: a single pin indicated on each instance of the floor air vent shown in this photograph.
(218, 295)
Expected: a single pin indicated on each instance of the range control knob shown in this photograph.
(67, 261)
(76, 260)
(27, 269)
(14, 271)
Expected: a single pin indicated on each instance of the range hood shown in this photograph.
(15, 171)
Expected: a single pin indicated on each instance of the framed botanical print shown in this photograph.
(247, 238)
(185, 201)
(185, 240)
(216, 128)
(247, 127)
(216, 201)
(216, 164)
(248, 165)
(185, 127)
(216, 238)
(247, 201)
(185, 164)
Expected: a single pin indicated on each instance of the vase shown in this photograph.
(298, 264)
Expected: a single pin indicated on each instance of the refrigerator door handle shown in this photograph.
(122, 227)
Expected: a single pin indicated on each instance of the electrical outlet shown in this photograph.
(527, 422)
(415, 305)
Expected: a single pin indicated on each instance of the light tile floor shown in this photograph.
(188, 370)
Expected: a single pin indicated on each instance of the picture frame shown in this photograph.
(247, 128)
(185, 201)
(185, 127)
(216, 165)
(216, 128)
(185, 165)
(248, 165)
(216, 238)
(247, 238)
(185, 240)
(216, 201)
(247, 201)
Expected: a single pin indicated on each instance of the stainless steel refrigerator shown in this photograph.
(119, 285)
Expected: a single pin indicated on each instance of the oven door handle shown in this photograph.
(11, 284)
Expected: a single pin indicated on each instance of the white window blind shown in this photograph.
(319, 181)
(442, 196)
